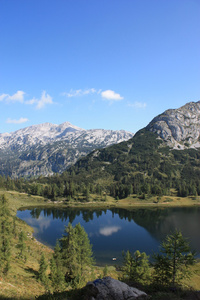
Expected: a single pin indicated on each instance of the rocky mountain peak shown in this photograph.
(48, 148)
(179, 128)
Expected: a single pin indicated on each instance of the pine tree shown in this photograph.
(5, 235)
(172, 264)
(136, 267)
(42, 276)
(84, 248)
(14, 231)
(69, 253)
(57, 273)
(127, 264)
(22, 246)
(76, 252)
(105, 271)
(140, 267)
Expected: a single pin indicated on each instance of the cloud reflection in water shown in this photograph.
(40, 224)
(109, 230)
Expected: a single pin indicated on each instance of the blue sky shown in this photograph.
(111, 64)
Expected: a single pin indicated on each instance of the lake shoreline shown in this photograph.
(100, 205)
(153, 222)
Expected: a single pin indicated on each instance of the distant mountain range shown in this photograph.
(48, 148)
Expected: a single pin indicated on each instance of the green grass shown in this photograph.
(22, 283)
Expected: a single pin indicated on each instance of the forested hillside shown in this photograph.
(162, 157)
(144, 165)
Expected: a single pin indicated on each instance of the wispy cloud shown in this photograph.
(111, 95)
(17, 97)
(80, 92)
(109, 230)
(3, 97)
(20, 121)
(42, 102)
(137, 104)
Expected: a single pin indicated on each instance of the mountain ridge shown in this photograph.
(48, 148)
(148, 164)
(180, 127)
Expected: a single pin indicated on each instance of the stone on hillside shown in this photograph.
(111, 289)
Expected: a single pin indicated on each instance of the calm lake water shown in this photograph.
(113, 230)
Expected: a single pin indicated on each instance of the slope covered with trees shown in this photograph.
(144, 165)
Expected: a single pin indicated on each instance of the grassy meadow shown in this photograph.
(21, 281)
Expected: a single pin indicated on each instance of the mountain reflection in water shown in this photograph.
(113, 230)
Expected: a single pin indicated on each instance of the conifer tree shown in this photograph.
(57, 273)
(105, 271)
(22, 246)
(127, 264)
(76, 252)
(14, 231)
(5, 235)
(136, 266)
(42, 276)
(172, 264)
(69, 253)
(84, 248)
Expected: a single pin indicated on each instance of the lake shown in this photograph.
(113, 230)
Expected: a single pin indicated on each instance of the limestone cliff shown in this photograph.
(180, 128)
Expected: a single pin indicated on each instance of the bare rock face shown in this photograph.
(47, 148)
(112, 289)
(180, 128)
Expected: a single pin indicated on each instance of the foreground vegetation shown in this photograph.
(28, 271)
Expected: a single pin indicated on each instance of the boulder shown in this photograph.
(108, 288)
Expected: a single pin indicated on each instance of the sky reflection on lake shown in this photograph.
(114, 230)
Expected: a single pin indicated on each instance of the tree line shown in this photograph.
(71, 188)
(72, 260)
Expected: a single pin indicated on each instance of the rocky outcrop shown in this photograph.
(111, 289)
(179, 128)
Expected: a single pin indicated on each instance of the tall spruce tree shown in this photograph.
(69, 253)
(136, 267)
(5, 235)
(57, 273)
(171, 265)
(84, 248)
(42, 272)
(76, 252)
(22, 246)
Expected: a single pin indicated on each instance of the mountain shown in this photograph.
(48, 148)
(179, 127)
(163, 155)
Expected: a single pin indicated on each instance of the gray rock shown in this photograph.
(47, 148)
(112, 289)
(179, 128)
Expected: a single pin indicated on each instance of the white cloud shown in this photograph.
(17, 97)
(3, 96)
(109, 230)
(20, 121)
(40, 103)
(111, 95)
(80, 92)
(137, 104)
